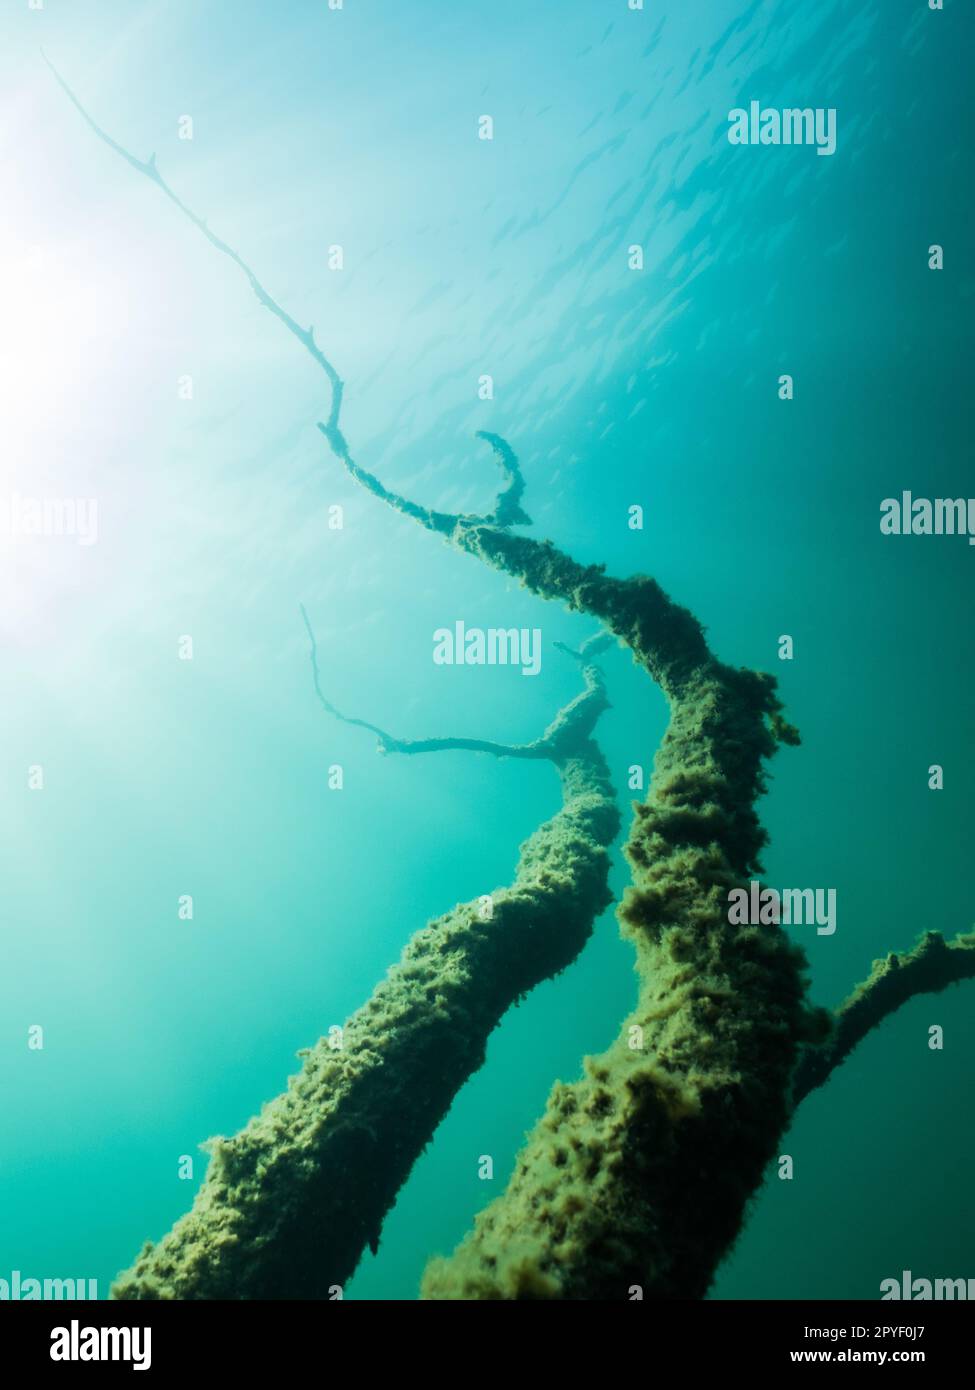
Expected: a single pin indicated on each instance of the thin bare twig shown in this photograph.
(507, 510)
(574, 721)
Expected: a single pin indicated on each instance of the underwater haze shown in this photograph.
(139, 373)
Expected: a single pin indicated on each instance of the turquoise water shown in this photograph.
(463, 258)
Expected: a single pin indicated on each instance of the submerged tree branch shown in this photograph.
(930, 967)
(290, 1203)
